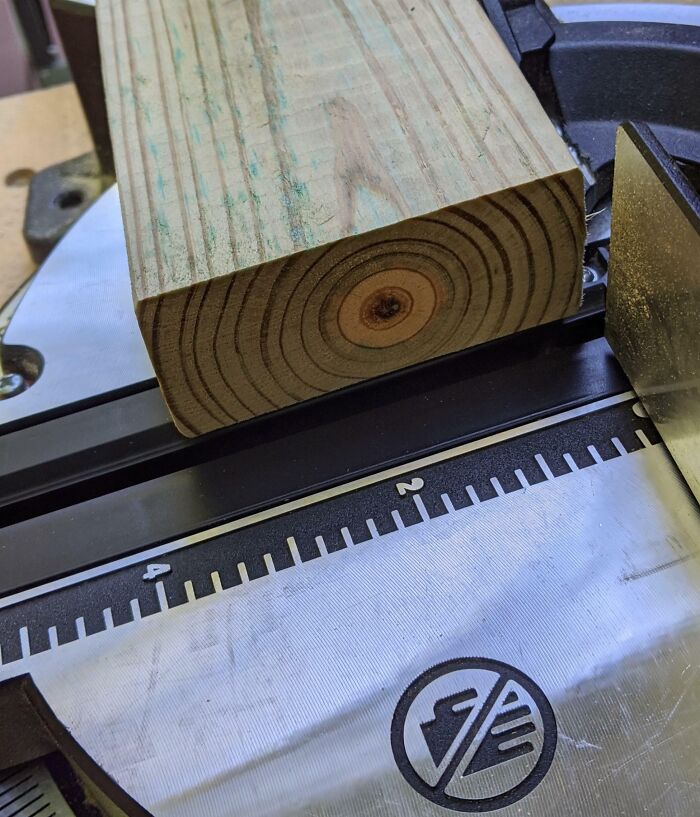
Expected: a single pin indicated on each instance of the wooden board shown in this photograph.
(38, 129)
(317, 193)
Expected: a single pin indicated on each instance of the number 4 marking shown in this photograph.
(414, 485)
(153, 571)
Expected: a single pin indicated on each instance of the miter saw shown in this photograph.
(473, 585)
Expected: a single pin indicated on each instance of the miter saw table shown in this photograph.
(472, 586)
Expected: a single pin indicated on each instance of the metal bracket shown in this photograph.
(31, 733)
(58, 195)
(654, 296)
(591, 76)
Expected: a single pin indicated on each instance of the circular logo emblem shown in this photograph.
(473, 734)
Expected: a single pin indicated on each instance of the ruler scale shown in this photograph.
(413, 494)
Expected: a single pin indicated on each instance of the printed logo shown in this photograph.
(473, 735)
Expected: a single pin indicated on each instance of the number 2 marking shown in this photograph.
(414, 485)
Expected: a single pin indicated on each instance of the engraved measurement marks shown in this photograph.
(421, 499)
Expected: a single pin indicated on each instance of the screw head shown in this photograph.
(588, 275)
(10, 385)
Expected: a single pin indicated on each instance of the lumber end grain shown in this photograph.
(249, 343)
(317, 193)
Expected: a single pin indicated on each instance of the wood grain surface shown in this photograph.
(316, 193)
(37, 129)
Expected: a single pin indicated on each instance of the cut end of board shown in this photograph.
(319, 193)
(255, 341)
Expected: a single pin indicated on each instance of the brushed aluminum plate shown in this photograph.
(277, 697)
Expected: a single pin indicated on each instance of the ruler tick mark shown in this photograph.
(593, 451)
(347, 538)
(618, 445)
(546, 470)
(80, 627)
(498, 488)
(269, 564)
(243, 572)
(522, 479)
(398, 521)
(53, 638)
(472, 494)
(135, 609)
(372, 528)
(422, 510)
(108, 619)
(189, 591)
(645, 441)
(162, 598)
(216, 581)
(24, 642)
(321, 545)
(294, 550)
(569, 460)
(447, 502)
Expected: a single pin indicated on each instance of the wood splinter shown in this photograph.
(318, 193)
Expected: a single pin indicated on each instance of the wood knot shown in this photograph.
(387, 308)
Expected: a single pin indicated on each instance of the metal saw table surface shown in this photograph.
(256, 667)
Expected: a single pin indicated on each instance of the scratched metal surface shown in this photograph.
(654, 292)
(277, 697)
(78, 314)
